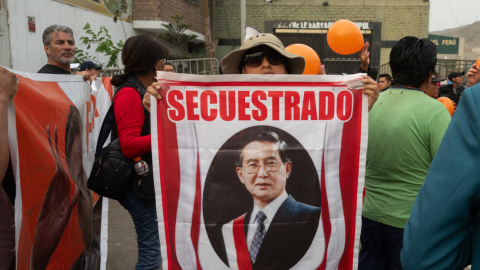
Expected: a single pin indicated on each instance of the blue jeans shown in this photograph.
(144, 215)
(381, 246)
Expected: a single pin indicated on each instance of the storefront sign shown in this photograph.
(316, 25)
(444, 44)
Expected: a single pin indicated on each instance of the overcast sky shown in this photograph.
(445, 14)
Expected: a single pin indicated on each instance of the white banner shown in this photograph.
(226, 148)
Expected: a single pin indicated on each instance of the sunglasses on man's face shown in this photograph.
(256, 59)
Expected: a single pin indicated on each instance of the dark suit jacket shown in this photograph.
(289, 235)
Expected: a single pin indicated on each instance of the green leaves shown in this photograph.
(104, 44)
(81, 56)
(176, 32)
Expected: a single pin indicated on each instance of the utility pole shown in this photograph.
(212, 19)
(210, 45)
(243, 18)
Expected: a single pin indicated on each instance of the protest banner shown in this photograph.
(227, 147)
(59, 222)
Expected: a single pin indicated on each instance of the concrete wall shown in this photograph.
(27, 47)
(399, 18)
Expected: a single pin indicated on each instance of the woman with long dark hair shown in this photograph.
(142, 56)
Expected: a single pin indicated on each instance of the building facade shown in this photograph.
(149, 15)
(22, 23)
(382, 22)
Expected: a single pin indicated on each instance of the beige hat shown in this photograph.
(232, 60)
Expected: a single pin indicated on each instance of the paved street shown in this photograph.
(122, 243)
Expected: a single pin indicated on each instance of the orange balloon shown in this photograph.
(478, 64)
(312, 61)
(448, 103)
(344, 37)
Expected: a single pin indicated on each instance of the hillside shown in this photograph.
(471, 33)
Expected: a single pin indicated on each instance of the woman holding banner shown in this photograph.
(264, 54)
(260, 54)
(142, 56)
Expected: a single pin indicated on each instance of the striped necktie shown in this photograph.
(259, 235)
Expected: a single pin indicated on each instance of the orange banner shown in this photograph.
(57, 218)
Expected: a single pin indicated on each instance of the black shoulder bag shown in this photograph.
(112, 172)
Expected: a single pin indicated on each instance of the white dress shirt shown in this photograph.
(270, 210)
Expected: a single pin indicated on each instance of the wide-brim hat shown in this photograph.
(232, 60)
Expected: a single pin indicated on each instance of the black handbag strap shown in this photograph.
(109, 123)
(107, 126)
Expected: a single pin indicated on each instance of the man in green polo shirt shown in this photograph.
(405, 129)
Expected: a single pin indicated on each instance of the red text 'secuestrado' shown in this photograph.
(259, 105)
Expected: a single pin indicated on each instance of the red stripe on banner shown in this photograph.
(243, 257)
(327, 226)
(195, 231)
(363, 198)
(229, 84)
(349, 166)
(169, 179)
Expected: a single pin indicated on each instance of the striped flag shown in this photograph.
(203, 208)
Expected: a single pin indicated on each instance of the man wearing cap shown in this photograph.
(432, 90)
(405, 128)
(457, 79)
(92, 69)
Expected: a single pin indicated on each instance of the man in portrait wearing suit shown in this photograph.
(278, 230)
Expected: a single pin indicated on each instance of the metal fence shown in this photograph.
(110, 72)
(443, 67)
(200, 66)
(104, 72)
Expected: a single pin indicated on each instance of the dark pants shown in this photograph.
(144, 215)
(381, 246)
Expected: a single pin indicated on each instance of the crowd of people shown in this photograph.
(421, 180)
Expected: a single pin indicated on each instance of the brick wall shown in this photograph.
(161, 10)
(384, 55)
(227, 19)
(398, 18)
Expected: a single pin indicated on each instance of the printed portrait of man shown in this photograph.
(278, 229)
